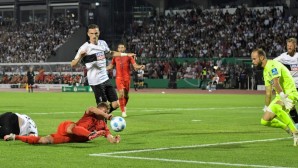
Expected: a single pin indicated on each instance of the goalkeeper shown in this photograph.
(277, 77)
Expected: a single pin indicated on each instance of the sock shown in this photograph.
(80, 131)
(273, 123)
(122, 103)
(294, 115)
(283, 117)
(28, 139)
(58, 139)
(111, 108)
(126, 100)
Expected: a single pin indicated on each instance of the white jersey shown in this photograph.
(96, 70)
(291, 62)
(28, 125)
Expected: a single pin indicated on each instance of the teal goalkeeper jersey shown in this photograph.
(275, 69)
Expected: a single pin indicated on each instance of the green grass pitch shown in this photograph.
(163, 130)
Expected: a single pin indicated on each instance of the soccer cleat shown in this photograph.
(10, 137)
(96, 134)
(124, 114)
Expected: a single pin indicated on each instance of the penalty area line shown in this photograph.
(189, 161)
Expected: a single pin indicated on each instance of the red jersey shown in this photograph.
(93, 122)
(123, 66)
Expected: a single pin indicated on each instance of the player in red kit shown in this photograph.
(90, 126)
(123, 76)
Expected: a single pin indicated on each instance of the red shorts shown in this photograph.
(61, 136)
(122, 84)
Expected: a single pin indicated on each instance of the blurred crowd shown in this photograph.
(158, 40)
(206, 33)
(34, 42)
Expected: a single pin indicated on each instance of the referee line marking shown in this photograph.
(112, 154)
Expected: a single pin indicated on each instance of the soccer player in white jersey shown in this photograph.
(19, 124)
(290, 60)
(93, 55)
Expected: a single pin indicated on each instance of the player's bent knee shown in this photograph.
(264, 122)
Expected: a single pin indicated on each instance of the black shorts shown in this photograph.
(104, 92)
(9, 123)
(30, 82)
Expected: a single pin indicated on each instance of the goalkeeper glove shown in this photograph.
(287, 102)
(265, 108)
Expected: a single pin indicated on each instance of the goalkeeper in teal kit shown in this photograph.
(277, 77)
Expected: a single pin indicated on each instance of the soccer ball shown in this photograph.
(118, 124)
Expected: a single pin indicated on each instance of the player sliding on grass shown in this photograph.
(278, 77)
(123, 76)
(90, 126)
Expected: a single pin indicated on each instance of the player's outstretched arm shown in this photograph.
(119, 54)
(113, 139)
(268, 95)
(78, 58)
(288, 103)
(99, 111)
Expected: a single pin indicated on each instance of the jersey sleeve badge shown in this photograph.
(274, 71)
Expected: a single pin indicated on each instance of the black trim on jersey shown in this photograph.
(88, 58)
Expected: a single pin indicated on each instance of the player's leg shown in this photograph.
(32, 87)
(126, 91)
(125, 97)
(29, 88)
(120, 88)
(9, 123)
(98, 93)
(283, 116)
(121, 100)
(111, 96)
(269, 120)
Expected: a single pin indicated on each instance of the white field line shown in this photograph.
(191, 146)
(157, 109)
(192, 161)
(112, 154)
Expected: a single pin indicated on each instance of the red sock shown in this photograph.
(126, 100)
(122, 103)
(80, 131)
(58, 139)
(28, 139)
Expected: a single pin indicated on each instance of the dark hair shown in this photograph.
(104, 105)
(260, 52)
(122, 43)
(92, 26)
